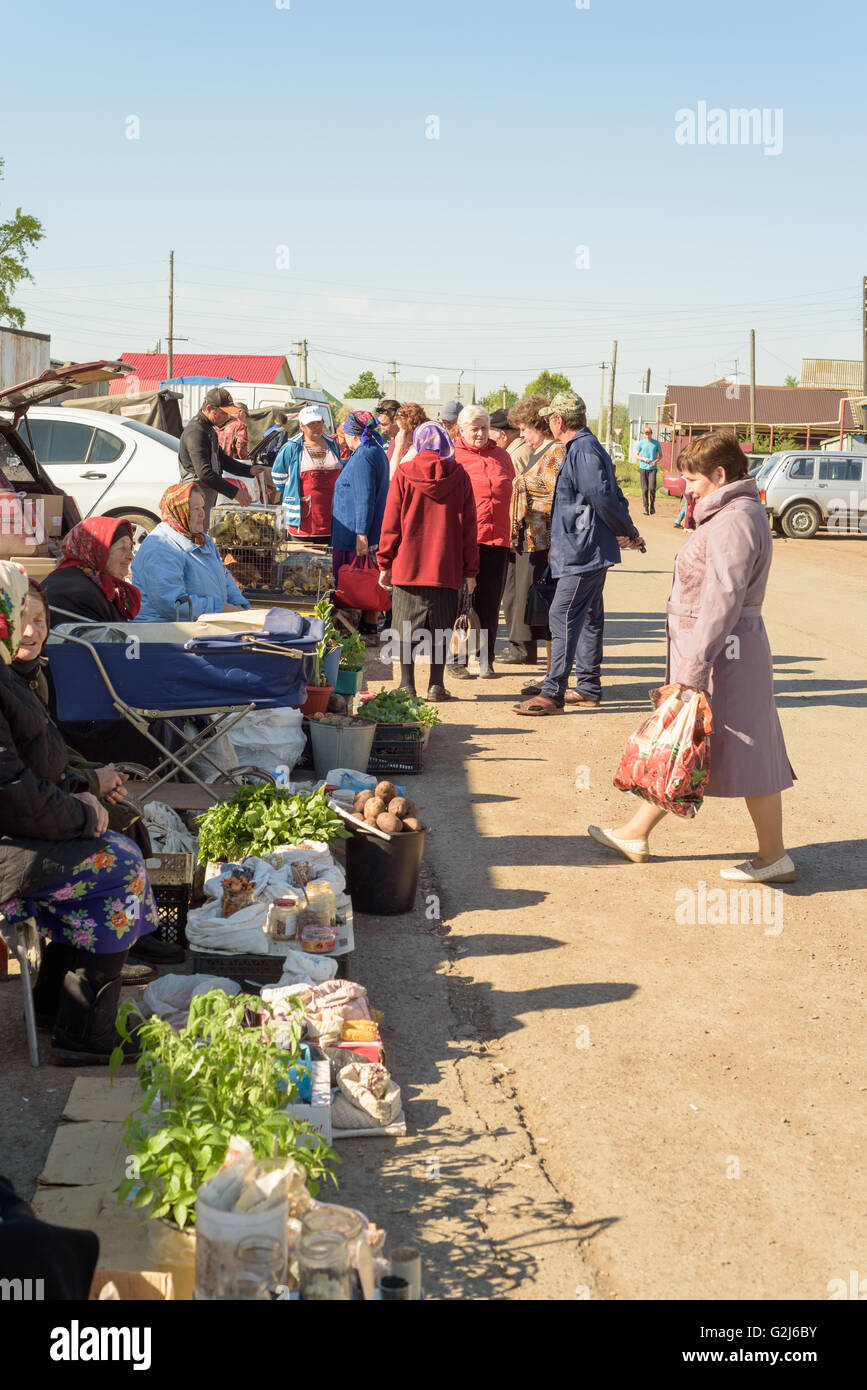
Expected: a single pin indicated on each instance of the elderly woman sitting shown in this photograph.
(85, 885)
(177, 561)
(92, 579)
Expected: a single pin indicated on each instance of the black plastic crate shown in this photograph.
(172, 882)
(397, 748)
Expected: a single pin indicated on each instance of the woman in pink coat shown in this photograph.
(717, 643)
(492, 473)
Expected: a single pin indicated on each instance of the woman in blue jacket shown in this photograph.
(177, 560)
(305, 472)
(359, 497)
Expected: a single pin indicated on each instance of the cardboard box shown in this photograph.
(29, 522)
(147, 1287)
(318, 1111)
(38, 567)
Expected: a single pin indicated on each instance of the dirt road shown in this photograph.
(605, 1101)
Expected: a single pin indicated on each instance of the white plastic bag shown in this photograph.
(167, 831)
(270, 739)
(216, 761)
(170, 996)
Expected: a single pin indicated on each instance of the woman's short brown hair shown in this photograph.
(718, 450)
(410, 416)
(526, 412)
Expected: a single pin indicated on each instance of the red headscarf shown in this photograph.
(86, 548)
(175, 510)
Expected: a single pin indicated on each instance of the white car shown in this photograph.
(110, 465)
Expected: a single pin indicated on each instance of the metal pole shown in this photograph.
(170, 361)
(864, 336)
(752, 388)
(609, 424)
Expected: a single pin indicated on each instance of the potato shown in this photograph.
(360, 799)
(374, 807)
(412, 823)
(398, 806)
(389, 823)
(411, 809)
(386, 791)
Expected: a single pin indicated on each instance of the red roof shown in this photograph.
(152, 367)
(775, 405)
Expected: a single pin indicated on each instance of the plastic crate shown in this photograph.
(260, 970)
(397, 748)
(172, 883)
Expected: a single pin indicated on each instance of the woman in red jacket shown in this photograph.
(427, 551)
(492, 474)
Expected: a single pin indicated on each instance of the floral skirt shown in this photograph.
(103, 905)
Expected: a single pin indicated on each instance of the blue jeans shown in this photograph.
(682, 513)
(576, 619)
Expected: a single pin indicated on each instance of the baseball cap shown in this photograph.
(565, 403)
(218, 396)
(309, 414)
(451, 410)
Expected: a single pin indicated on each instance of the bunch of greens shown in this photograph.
(323, 610)
(210, 1081)
(352, 658)
(399, 707)
(259, 818)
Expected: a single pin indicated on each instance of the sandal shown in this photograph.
(539, 705)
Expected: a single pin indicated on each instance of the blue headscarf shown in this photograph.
(362, 423)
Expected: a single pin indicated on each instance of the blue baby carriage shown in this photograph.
(180, 671)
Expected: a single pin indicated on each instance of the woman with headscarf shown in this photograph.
(92, 579)
(177, 560)
(492, 473)
(359, 498)
(85, 885)
(428, 551)
(304, 473)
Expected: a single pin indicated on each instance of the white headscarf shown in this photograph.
(13, 591)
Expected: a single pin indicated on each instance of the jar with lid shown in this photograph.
(323, 1263)
(280, 923)
(318, 906)
(348, 1224)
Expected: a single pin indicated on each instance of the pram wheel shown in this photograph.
(243, 776)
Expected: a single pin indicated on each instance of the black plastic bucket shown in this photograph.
(382, 875)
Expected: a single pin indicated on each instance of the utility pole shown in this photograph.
(304, 346)
(647, 384)
(298, 369)
(752, 388)
(610, 421)
(170, 363)
(601, 404)
(864, 335)
(394, 381)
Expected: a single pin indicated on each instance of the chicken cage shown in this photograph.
(265, 562)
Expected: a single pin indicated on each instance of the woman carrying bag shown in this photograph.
(718, 646)
(359, 501)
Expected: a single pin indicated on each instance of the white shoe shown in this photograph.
(634, 850)
(781, 871)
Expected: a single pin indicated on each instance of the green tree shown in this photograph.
(366, 388)
(548, 384)
(790, 381)
(500, 399)
(17, 236)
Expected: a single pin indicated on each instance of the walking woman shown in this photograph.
(717, 643)
(85, 885)
(428, 551)
(492, 473)
(530, 537)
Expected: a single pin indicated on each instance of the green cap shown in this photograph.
(565, 403)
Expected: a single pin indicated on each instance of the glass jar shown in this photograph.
(323, 1261)
(348, 1224)
(258, 1266)
(318, 907)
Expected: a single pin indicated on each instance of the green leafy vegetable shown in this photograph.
(259, 818)
(399, 707)
(352, 658)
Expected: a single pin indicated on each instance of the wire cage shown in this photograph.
(264, 560)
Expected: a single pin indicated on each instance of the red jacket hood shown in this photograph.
(436, 477)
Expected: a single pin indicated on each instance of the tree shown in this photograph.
(500, 399)
(366, 388)
(16, 237)
(790, 381)
(548, 384)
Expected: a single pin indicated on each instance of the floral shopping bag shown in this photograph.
(667, 759)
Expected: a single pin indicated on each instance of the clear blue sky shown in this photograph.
(306, 127)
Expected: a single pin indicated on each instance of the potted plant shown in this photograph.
(200, 1086)
(350, 672)
(320, 688)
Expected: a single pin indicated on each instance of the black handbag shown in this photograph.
(539, 599)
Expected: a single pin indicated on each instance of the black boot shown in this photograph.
(85, 1033)
(407, 677)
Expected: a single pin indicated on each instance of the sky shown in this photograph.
(486, 188)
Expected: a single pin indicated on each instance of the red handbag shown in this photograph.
(358, 586)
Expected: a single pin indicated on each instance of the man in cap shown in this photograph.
(509, 438)
(590, 524)
(201, 460)
(449, 416)
(521, 650)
